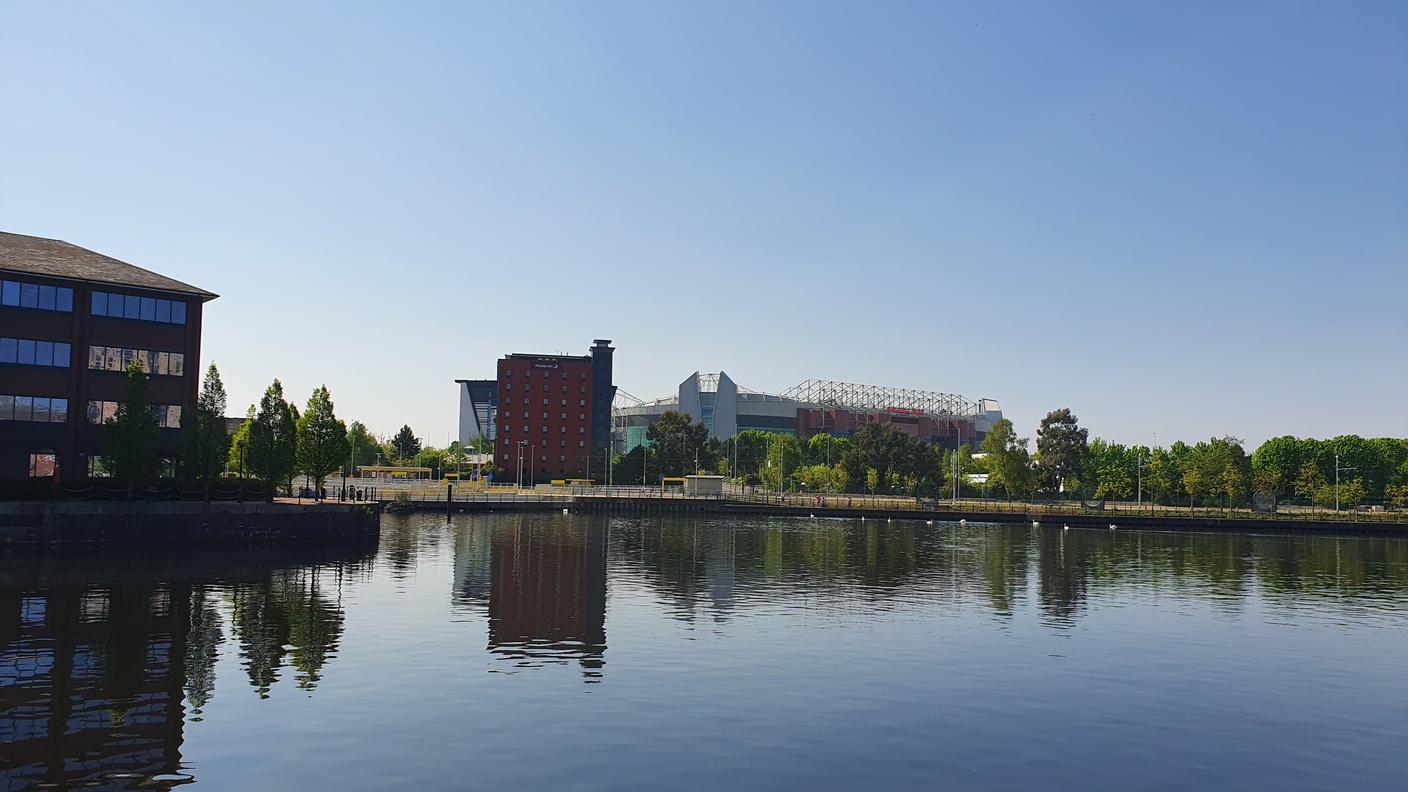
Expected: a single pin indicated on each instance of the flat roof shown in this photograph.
(55, 258)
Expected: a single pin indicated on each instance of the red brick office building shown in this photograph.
(554, 415)
(71, 320)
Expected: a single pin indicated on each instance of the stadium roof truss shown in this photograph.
(880, 399)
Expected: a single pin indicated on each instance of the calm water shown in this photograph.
(580, 652)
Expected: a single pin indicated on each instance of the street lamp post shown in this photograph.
(1337, 480)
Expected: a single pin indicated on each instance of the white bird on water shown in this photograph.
(564, 511)
(1035, 524)
(1065, 527)
(962, 522)
(813, 516)
(1112, 526)
(928, 522)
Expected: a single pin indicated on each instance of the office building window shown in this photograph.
(132, 306)
(166, 416)
(43, 464)
(165, 364)
(18, 294)
(35, 409)
(28, 352)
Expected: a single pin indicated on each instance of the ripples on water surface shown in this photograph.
(582, 652)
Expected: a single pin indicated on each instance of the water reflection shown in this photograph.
(542, 586)
(107, 661)
(97, 652)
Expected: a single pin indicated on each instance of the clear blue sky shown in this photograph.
(1189, 219)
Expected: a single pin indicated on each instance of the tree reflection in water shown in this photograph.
(98, 650)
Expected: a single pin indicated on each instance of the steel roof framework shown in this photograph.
(879, 399)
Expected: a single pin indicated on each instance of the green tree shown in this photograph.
(1193, 483)
(677, 442)
(1310, 481)
(204, 441)
(322, 439)
(872, 480)
(1008, 462)
(784, 450)
(405, 443)
(638, 465)
(1060, 448)
(273, 438)
(362, 448)
(433, 458)
(896, 456)
(1235, 485)
(132, 435)
(239, 444)
(1351, 493)
(1277, 462)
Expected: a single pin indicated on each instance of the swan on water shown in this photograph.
(1065, 527)
(1112, 526)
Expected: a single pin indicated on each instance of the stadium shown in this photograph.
(809, 408)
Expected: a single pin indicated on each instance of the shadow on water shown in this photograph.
(98, 651)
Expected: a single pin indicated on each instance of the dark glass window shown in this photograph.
(100, 303)
(26, 357)
(9, 350)
(65, 299)
(29, 295)
(163, 310)
(10, 293)
(178, 312)
(132, 307)
(46, 298)
(149, 309)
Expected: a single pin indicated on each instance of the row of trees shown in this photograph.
(1066, 461)
(1218, 471)
(275, 443)
(877, 459)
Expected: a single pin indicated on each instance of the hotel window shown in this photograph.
(18, 294)
(581, 416)
(581, 443)
(35, 409)
(508, 414)
(545, 402)
(545, 387)
(28, 352)
(561, 458)
(508, 386)
(545, 416)
(525, 401)
(132, 306)
(564, 429)
(581, 402)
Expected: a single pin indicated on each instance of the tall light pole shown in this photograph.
(1337, 480)
(1139, 481)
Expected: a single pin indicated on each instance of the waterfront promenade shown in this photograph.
(1050, 513)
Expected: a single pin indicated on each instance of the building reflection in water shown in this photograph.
(91, 683)
(97, 653)
(542, 586)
